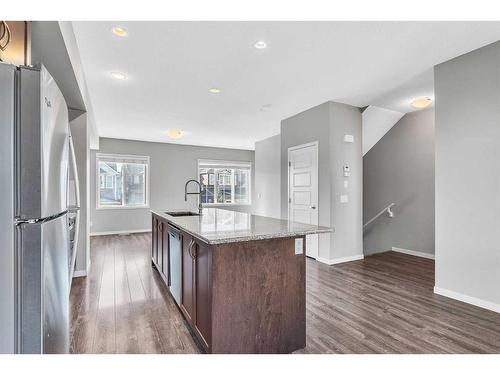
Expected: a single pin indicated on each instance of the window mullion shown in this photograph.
(232, 186)
(144, 187)
(216, 185)
(123, 184)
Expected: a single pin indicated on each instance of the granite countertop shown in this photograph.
(218, 226)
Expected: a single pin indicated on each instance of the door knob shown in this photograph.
(313, 207)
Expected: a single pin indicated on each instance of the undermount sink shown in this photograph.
(182, 213)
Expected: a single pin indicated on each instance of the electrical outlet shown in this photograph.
(344, 198)
(299, 246)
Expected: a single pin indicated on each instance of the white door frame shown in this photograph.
(293, 148)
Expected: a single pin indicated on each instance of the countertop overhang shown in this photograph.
(219, 226)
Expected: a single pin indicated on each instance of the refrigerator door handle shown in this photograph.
(40, 220)
(74, 209)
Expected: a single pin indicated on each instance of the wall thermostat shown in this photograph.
(347, 171)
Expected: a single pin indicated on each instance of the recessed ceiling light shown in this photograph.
(421, 102)
(214, 90)
(118, 31)
(174, 134)
(260, 44)
(118, 75)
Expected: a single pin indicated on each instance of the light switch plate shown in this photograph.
(344, 198)
(299, 246)
(349, 138)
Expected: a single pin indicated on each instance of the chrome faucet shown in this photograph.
(200, 207)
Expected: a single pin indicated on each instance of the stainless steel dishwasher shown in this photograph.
(174, 238)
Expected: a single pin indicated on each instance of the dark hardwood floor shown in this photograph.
(383, 304)
(122, 306)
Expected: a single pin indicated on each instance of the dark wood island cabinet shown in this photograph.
(240, 294)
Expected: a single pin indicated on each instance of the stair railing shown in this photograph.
(387, 210)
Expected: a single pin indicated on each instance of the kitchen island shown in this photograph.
(238, 279)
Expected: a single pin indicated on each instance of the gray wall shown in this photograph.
(310, 126)
(81, 141)
(267, 177)
(400, 169)
(327, 123)
(171, 166)
(346, 217)
(48, 48)
(467, 92)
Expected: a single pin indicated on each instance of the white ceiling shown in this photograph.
(171, 65)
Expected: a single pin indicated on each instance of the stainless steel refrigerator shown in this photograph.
(36, 255)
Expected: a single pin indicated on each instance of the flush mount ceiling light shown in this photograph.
(174, 134)
(118, 31)
(260, 44)
(214, 90)
(420, 103)
(118, 75)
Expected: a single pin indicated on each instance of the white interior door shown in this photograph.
(303, 190)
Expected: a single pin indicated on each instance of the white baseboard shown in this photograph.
(340, 260)
(468, 299)
(81, 273)
(413, 252)
(120, 232)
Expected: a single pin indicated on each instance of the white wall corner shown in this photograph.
(467, 299)
(340, 260)
(413, 252)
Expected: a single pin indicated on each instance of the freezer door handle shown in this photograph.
(21, 221)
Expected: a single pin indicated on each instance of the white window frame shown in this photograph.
(229, 165)
(112, 183)
(147, 179)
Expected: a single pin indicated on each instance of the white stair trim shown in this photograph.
(414, 253)
(468, 299)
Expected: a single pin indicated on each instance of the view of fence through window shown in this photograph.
(224, 185)
(122, 183)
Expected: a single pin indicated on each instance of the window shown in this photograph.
(123, 181)
(106, 181)
(225, 182)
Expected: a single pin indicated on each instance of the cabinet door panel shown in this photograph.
(154, 236)
(203, 291)
(187, 278)
(159, 246)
